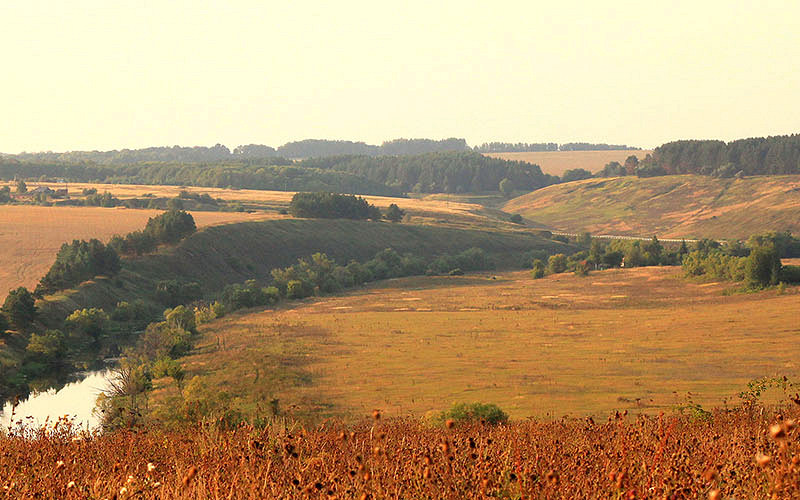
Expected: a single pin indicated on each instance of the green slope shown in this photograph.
(672, 206)
(220, 255)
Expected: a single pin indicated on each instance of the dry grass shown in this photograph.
(676, 206)
(638, 339)
(739, 454)
(557, 162)
(30, 236)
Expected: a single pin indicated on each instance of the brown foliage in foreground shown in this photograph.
(732, 454)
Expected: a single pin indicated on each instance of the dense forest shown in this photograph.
(453, 172)
(439, 172)
(755, 156)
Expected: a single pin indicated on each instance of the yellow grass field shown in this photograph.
(268, 198)
(639, 339)
(30, 236)
(557, 162)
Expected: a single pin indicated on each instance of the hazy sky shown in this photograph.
(109, 74)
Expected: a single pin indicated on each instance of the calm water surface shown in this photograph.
(76, 400)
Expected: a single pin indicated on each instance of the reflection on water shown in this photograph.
(76, 400)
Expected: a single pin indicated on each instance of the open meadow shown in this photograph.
(30, 236)
(643, 340)
(558, 162)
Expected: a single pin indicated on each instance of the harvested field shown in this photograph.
(557, 162)
(640, 339)
(30, 236)
(273, 199)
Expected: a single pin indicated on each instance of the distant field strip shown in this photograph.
(557, 162)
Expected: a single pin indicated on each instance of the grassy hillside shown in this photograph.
(637, 339)
(672, 206)
(220, 255)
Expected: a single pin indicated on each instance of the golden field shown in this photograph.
(558, 162)
(270, 199)
(30, 236)
(639, 339)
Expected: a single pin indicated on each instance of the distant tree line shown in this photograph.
(778, 155)
(219, 153)
(756, 156)
(438, 172)
(515, 147)
(520, 147)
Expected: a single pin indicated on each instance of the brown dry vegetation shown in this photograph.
(557, 162)
(747, 453)
(639, 339)
(30, 236)
(676, 206)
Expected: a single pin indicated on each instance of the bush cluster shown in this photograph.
(169, 227)
(327, 205)
(76, 262)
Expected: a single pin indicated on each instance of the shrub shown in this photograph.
(86, 325)
(474, 412)
(48, 347)
(790, 274)
(538, 269)
(394, 213)
(557, 263)
(297, 289)
(516, 219)
(173, 292)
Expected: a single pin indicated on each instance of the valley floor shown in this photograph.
(641, 339)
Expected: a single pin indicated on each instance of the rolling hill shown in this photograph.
(683, 206)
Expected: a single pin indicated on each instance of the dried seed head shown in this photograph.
(762, 459)
(714, 495)
(376, 414)
(450, 423)
(150, 467)
(426, 473)
(777, 432)
(70, 485)
(189, 476)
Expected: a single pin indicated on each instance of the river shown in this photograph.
(75, 400)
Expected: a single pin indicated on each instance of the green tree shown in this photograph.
(394, 213)
(557, 263)
(538, 269)
(49, 347)
(20, 308)
(762, 267)
(86, 325)
(22, 187)
(506, 187)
